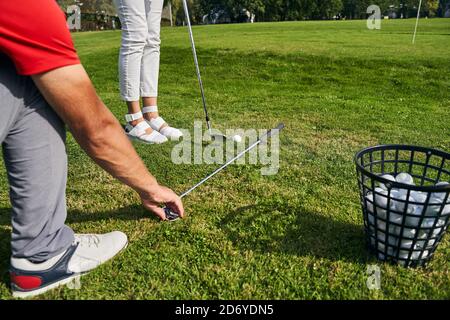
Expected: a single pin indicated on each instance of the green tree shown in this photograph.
(90, 6)
(431, 7)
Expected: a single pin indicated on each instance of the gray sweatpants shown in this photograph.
(33, 141)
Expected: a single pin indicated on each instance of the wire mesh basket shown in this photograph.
(405, 201)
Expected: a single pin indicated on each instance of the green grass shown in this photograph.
(338, 87)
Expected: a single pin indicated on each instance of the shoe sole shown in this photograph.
(33, 293)
(133, 138)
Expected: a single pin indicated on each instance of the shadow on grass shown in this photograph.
(269, 227)
(292, 230)
(134, 212)
(74, 216)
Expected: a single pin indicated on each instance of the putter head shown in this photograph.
(170, 215)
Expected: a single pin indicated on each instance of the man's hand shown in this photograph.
(162, 195)
(71, 94)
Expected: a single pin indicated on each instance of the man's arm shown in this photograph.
(71, 94)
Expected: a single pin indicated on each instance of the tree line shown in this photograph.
(286, 10)
(282, 10)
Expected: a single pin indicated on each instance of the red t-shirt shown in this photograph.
(34, 34)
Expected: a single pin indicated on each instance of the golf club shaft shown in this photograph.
(417, 22)
(267, 135)
(197, 68)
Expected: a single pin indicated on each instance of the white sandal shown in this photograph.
(139, 132)
(157, 123)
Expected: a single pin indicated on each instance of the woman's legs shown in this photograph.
(133, 16)
(151, 57)
(139, 66)
(150, 71)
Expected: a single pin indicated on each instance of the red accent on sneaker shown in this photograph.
(26, 282)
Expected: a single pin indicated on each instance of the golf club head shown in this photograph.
(170, 215)
(218, 137)
(215, 137)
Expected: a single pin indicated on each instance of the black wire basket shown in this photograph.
(405, 201)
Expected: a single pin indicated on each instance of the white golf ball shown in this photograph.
(399, 206)
(423, 244)
(413, 221)
(387, 177)
(414, 256)
(419, 197)
(433, 207)
(406, 244)
(237, 138)
(381, 198)
(446, 210)
(395, 218)
(404, 178)
(437, 232)
(380, 207)
(369, 202)
(440, 195)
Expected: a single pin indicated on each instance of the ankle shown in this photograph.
(151, 115)
(150, 112)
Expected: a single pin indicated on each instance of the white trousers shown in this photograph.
(140, 50)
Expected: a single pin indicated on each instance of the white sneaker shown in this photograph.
(86, 253)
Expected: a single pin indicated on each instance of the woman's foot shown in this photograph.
(138, 129)
(157, 123)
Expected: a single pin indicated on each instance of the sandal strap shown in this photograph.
(140, 129)
(157, 123)
(150, 109)
(133, 116)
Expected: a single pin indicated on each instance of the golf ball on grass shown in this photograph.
(237, 138)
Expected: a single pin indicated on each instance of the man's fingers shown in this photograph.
(176, 206)
(179, 207)
(167, 197)
(157, 210)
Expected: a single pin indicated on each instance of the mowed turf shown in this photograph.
(338, 87)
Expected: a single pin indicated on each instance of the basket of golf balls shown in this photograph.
(405, 201)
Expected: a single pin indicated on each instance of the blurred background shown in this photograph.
(101, 14)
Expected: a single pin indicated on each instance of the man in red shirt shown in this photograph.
(43, 86)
